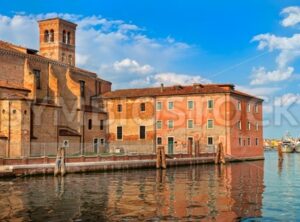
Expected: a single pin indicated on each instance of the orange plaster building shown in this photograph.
(185, 119)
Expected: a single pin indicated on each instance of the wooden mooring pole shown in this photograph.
(220, 155)
(280, 154)
(60, 165)
(161, 158)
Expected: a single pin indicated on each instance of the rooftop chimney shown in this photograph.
(197, 85)
(161, 87)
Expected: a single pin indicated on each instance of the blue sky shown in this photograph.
(253, 44)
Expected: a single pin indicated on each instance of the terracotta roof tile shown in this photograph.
(174, 90)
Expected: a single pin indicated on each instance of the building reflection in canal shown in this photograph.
(204, 192)
(208, 192)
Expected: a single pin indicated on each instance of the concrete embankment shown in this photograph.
(79, 167)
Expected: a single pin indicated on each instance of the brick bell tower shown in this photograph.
(57, 40)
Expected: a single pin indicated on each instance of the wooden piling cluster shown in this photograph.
(161, 158)
(220, 155)
(60, 165)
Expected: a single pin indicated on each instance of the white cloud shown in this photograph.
(289, 50)
(174, 78)
(261, 76)
(287, 99)
(169, 78)
(102, 44)
(258, 91)
(128, 65)
(292, 16)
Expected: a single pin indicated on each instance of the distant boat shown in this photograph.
(287, 147)
(297, 147)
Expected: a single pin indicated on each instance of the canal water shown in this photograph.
(250, 191)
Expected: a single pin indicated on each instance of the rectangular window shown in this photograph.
(256, 108)
(239, 125)
(158, 106)
(248, 126)
(158, 124)
(190, 104)
(142, 132)
(143, 107)
(102, 141)
(210, 140)
(90, 125)
(249, 108)
(119, 132)
(119, 108)
(256, 126)
(210, 104)
(37, 74)
(82, 88)
(239, 106)
(101, 124)
(210, 124)
(170, 124)
(170, 105)
(256, 142)
(159, 141)
(240, 141)
(190, 124)
(249, 142)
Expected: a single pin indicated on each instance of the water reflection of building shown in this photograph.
(206, 193)
(195, 193)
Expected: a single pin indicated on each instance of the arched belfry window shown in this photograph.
(69, 38)
(51, 35)
(64, 37)
(46, 36)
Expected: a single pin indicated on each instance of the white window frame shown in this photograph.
(239, 106)
(169, 121)
(213, 142)
(192, 124)
(240, 141)
(248, 107)
(212, 104)
(256, 127)
(188, 102)
(248, 125)
(158, 102)
(240, 125)
(157, 124)
(170, 102)
(256, 108)
(208, 124)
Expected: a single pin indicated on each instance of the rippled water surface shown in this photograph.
(252, 191)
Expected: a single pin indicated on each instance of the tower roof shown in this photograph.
(58, 20)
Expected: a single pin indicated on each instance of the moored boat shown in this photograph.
(287, 147)
(297, 147)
